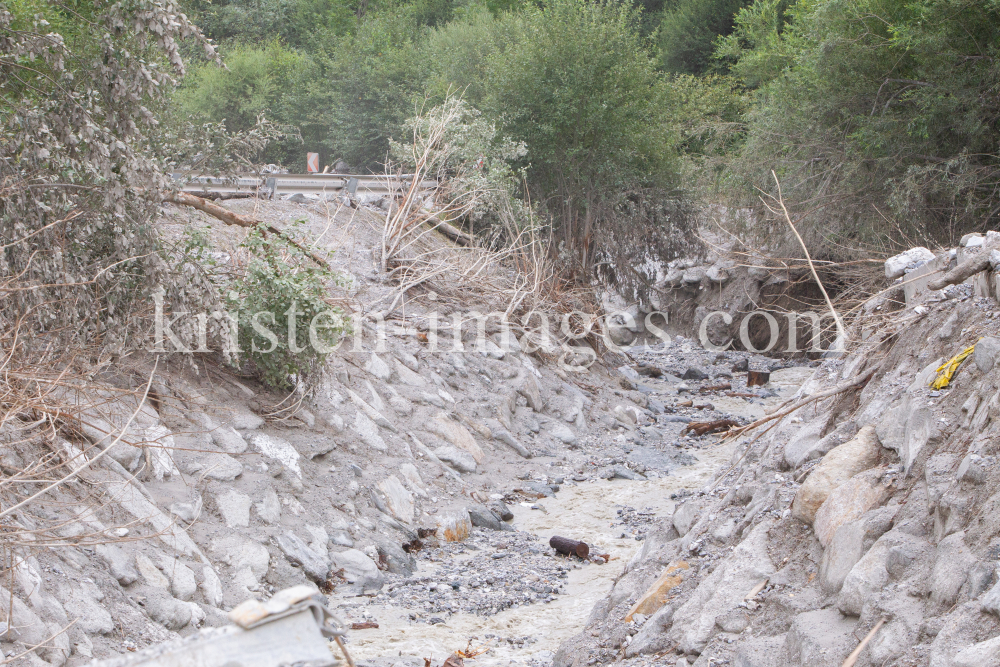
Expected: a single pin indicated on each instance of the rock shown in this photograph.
(368, 431)
(660, 591)
(951, 567)
(693, 275)
(118, 562)
(211, 586)
(561, 432)
(850, 501)
(359, 571)
(694, 373)
(971, 470)
(759, 651)
(907, 261)
(908, 425)
(246, 554)
(442, 425)
(234, 508)
(722, 590)
(397, 498)
(979, 655)
(717, 273)
(981, 577)
(498, 432)
(221, 467)
(82, 601)
(395, 559)
(269, 508)
(529, 389)
(849, 543)
(808, 443)
(167, 611)
(454, 526)
(150, 573)
(483, 517)
(315, 564)
(413, 480)
(500, 509)
(972, 240)
(621, 472)
(985, 354)
(687, 514)
(741, 365)
(869, 575)
(994, 258)
(843, 462)
(459, 460)
(24, 624)
(378, 368)
(277, 449)
(407, 376)
(821, 638)
(182, 582)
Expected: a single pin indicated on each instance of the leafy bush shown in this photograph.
(689, 29)
(286, 327)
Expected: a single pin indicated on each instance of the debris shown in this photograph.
(701, 428)
(569, 547)
(756, 589)
(364, 625)
(948, 369)
(717, 387)
(758, 378)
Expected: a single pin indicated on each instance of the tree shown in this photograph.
(689, 29)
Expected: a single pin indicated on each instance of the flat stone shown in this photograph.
(82, 601)
(841, 464)
(458, 459)
(368, 432)
(397, 498)
(897, 265)
(234, 508)
(361, 574)
(183, 585)
(985, 354)
(277, 449)
(951, 567)
(150, 573)
(220, 467)
(407, 376)
(561, 432)
(166, 610)
(447, 428)
(371, 413)
(378, 368)
(211, 586)
(314, 563)
(849, 502)
(269, 508)
(412, 477)
(849, 543)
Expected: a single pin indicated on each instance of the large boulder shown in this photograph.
(842, 463)
(850, 501)
(360, 573)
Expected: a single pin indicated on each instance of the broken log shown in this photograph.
(569, 547)
(966, 269)
(685, 404)
(701, 428)
(235, 219)
(758, 378)
(364, 625)
(717, 387)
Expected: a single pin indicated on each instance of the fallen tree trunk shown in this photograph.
(452, 232)
(969, 267)
(232, 218)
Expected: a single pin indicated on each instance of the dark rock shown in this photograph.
(694, 373)
(741, 365)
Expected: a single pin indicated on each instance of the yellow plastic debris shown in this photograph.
(948, 369)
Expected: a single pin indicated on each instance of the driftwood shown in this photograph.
(701, 428)
(569, 547)
(232, 218)
(969, 267)
(452, 232)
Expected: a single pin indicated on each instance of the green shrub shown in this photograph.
(280, 294)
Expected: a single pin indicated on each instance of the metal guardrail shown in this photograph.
(272, 185)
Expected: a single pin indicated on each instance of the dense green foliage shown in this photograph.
(879, 117)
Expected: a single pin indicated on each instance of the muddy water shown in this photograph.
(585, 510)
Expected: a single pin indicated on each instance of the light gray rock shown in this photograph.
(981, 578)
(842, 463)
(187, 511)
(82, 601)
(991, 600)
(899, 264)
(241, 553)
(458, 459)
(359, 571)
(183, 585)
(500, 433)
(211, 586)
(166, 610)
(234, 508)
(759, 651)
(954, 560)
(398, 499)
(687, 514)
(314, 563)
(821, 638)
(985, 354)
(979, 655)
(221, 467)
(694, 623)
(561, 432)
(483, 517)
(849, 544)
(378, 368)
(408, 376)
(269, 508)
(278, 449)
(849, 501)
(368, 431)
(528, 388)
(119, 563)
(150, 573)
(397, 561)
(25, 625)
(971, 469)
